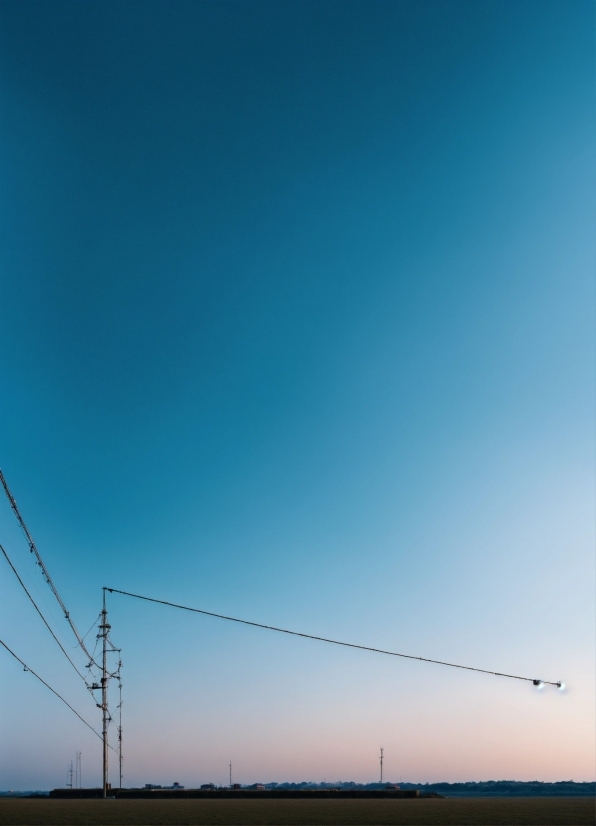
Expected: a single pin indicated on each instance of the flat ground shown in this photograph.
(525, 811)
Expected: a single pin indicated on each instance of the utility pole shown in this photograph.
(120, 722)
(107, 647)
(69, 773)
(103, 629)
(381, 762)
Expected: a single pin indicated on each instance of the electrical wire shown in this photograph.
(536, 682)
(46, 575)
(26, 667)
(93, 626)
(41, 615)
(34, 586)
(60, 697)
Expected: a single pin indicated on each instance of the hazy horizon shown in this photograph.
(336, 783)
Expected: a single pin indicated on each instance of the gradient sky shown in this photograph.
(297, 324)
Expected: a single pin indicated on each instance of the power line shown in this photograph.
(104, 633)
(26, 667)
(42, 616)
(42, 596)
(538, 683)
(46, 575)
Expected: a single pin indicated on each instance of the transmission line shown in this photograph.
(46, 575)
(82, 676)
(60, 697)
(536, 682)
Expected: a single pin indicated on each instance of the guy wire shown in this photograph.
(333, 642)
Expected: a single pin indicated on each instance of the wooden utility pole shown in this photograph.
(104, 628)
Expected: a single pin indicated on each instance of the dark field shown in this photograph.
(473, 811)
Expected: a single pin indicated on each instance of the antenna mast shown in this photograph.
(230, 774)
(381, 762)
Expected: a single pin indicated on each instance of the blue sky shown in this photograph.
(297, 306)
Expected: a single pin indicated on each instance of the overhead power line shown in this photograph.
(46, 575)
(536, 682)
(60, 697)
(82, 676)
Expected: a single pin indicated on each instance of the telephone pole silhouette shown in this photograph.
(107, 647)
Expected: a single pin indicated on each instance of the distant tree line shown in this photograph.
(488, 788)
